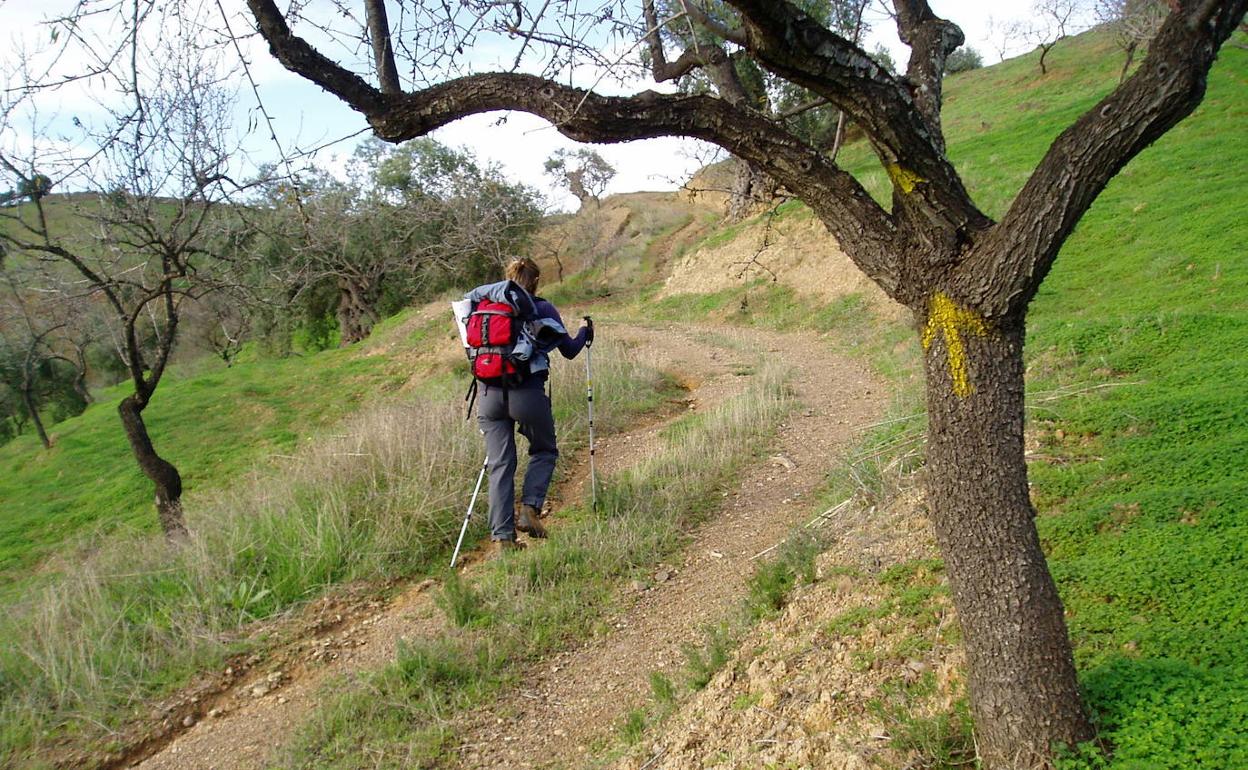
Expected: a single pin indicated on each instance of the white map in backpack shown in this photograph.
(461, 310)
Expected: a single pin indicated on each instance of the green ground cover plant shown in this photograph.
(1144, 499)
(380, 497)
(1136, 389)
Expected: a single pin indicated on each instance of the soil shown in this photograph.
(806, 689)
(796, 251)
(569, 702)
(568, 707)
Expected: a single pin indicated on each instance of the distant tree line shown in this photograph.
(407, 222)
(161, 255)
(317, 260)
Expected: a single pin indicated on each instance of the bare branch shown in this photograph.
(931, 40)
(698, 14)
(383, 53)
(298, 56)
(663, 71)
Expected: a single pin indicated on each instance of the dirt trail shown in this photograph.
(577, 695)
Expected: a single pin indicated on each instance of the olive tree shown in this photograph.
(968, 279)
(147, 232)
(404, 222)
(583, 172)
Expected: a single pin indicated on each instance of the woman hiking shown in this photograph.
(524, 401)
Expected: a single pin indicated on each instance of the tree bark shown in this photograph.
(161, 472)
(1024, 693)
(357, 301)
(751, 187)
(28, 398)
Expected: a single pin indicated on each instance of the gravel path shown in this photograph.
(578, 695)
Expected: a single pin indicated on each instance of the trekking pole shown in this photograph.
(471, 504)
(589, 396)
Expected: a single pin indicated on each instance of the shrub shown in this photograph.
(963, 59)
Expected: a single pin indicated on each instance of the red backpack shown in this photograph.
(494, 329)
(496, 332)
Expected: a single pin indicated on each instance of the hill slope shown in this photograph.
(1137, 427)
(1137, 436)
(214, 427)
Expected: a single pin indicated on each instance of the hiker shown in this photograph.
(522, 399)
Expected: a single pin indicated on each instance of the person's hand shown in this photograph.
(589, 330)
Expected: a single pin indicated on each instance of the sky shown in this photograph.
(305, 117)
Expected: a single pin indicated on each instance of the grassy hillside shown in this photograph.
(1137, 387)
(213, 427)
(1137, 380)
(1136, 383)
(1146, 495)
(375, 497)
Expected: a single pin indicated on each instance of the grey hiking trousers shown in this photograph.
(497, 415)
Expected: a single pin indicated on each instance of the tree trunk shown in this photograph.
(1044, 51)
(750, 188)
(576, 184)
(356, 309)
(80, 376)
(80, 387)
(163, 475)
(1024, 694)
(838, 135)
(28, 398)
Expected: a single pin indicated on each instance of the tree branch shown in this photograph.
(1165, 89)
(931, 40)
(297, 55)
(383, 53)
(662, 70)
(866, 231)
(715, 27)
(929, 198)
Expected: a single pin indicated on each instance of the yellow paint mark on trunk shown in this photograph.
(946, 318)
(905, 179)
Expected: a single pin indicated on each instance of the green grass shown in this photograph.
(772, 581)
(543, 598)
(1146, 524)
(215, 428)
(379, 498)
(1144, 495)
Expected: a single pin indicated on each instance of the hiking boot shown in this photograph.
(526, 521)
(502, 547)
